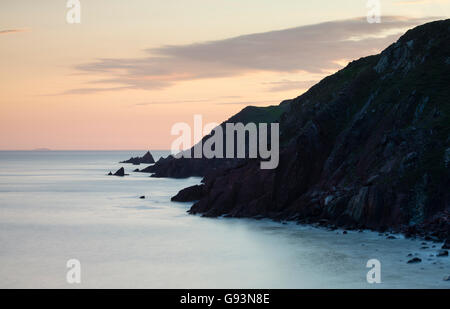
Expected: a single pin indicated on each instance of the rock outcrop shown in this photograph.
(145, 159)
(120, 172)
(189, 194)
(415, 260)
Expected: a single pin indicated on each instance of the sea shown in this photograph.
(60, 206)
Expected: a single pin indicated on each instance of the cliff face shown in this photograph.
(366, 147)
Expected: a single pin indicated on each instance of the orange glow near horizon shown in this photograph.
(127, 73)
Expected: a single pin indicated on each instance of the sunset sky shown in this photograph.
(131, 69)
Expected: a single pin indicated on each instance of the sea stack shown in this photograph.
(120, 172)
(145, 159)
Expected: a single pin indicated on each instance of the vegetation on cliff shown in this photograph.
(367, 147)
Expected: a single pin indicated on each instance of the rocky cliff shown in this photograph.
(367, 147)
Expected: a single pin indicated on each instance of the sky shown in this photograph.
(130, 70)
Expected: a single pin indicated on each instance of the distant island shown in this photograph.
(41, 149)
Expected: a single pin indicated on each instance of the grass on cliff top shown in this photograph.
(256, 114)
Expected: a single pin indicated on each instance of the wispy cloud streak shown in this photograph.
(313, 49)
(286, 84)
(11, 31)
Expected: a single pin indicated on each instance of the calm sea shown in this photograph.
(60, 205)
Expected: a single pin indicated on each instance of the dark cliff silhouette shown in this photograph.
(367, 147)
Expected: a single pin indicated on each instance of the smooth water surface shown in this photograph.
(60, 205)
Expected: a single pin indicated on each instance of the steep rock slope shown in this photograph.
(368, 147)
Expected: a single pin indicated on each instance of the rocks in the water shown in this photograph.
(344, 232)
(142, 197)
(443, 253)
(136, 170)
(145, 159)
(190, 194)
(447, 278)
(391, 237)
(410, 254)
(446, 245)
(120, 172)
(424, 247)
(414, 260)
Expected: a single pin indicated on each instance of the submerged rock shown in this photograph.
(414, 260)
(443, 253)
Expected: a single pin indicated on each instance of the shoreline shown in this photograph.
(427, 249)
(403, 232)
